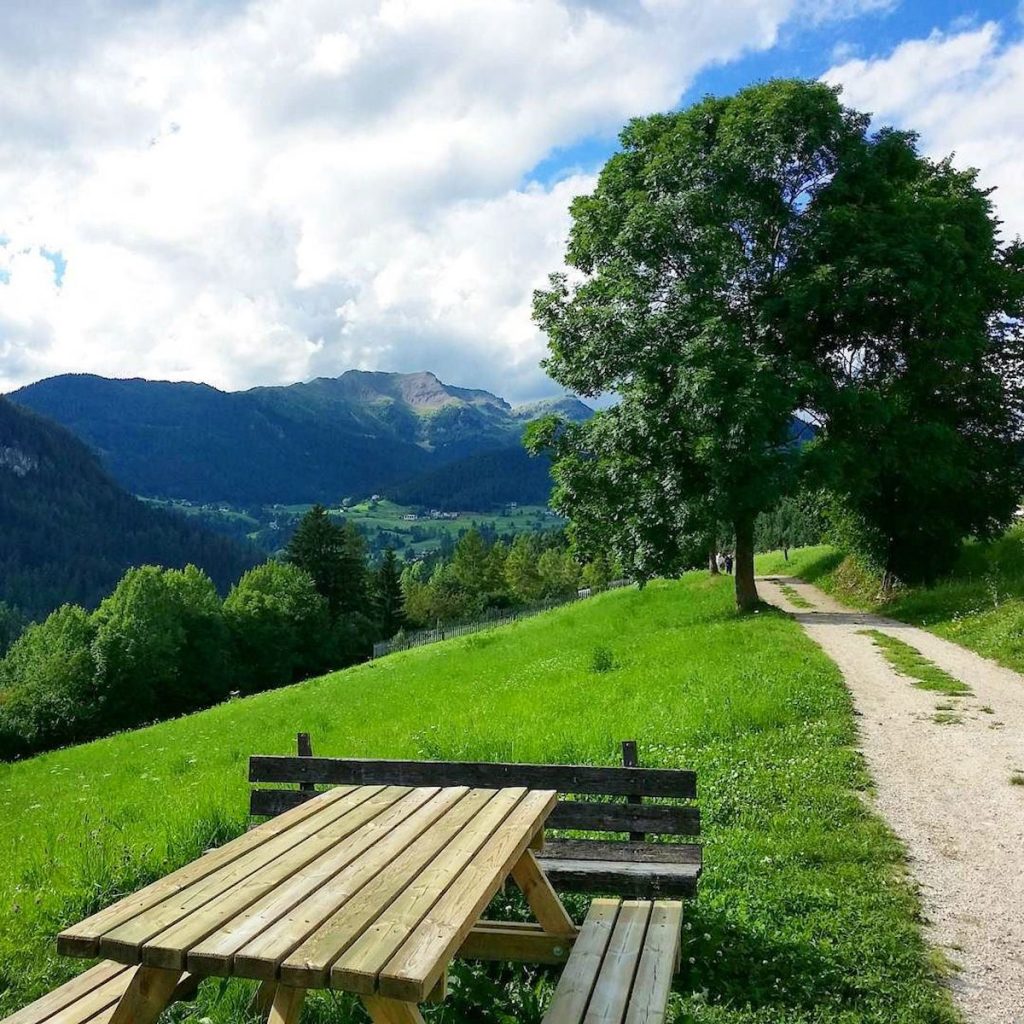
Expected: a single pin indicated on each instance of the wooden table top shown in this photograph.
(371, 889)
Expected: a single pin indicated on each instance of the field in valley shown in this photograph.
(804, 914)
(384, 523)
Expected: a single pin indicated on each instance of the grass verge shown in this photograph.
(909, 661)
(980, 604)
(805, 915)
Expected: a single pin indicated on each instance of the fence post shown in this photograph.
(305, 747)
(630, 760)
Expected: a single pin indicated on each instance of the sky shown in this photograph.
(261, 192)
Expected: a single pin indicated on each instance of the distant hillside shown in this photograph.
(318, 441)
(480, 481)
(68, 532)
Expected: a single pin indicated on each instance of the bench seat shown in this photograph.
(636, 869)
(621, 966)
(89, 998)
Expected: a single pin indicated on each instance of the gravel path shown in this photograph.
(944, 789)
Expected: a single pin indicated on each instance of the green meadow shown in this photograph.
(804, 914)
(979, 604)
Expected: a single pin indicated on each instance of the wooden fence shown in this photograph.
(491, 618)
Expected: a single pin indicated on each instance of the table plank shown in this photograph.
(261, 957)
(422, 958)
(82, 939)
(310, 963)
(359, 965)
(308, 837)
(172, 944)
(215, 953)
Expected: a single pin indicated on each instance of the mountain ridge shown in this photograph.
(317, 440)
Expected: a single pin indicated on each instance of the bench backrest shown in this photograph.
(623, 803)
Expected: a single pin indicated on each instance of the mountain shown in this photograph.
(68, 532)
(322, 440)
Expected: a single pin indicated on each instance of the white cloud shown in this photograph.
(256, 192)
(962, 91)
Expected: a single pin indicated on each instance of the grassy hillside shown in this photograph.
(980, 604)
(804, 914)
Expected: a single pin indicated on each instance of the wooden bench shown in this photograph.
(621, 967)
(628, 867)
(91, 998)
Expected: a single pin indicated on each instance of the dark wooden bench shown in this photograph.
(626, 801)
(91, 998)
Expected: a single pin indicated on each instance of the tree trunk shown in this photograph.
(712, 562)
(746, 588)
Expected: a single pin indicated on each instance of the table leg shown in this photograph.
(392, 1011)
(543, 899)
(150, 991)
(287, 1005)
(263, 999)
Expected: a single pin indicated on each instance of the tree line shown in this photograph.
(164, 643)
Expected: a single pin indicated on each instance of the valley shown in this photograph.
(412, 531)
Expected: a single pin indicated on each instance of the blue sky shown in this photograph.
(246, 192)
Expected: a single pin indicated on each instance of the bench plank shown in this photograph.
(615, 979)
(104, 977)
(658, 962)
(619, 850)
(565, 778)
(622, 877)
(576, 984)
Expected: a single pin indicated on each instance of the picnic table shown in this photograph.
(370, 889)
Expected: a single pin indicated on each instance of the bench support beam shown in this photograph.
(148, 994)
(391, 1011)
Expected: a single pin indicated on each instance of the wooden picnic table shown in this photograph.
(368, 889)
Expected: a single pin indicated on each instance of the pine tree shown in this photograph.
(388, 602)
(319, 547)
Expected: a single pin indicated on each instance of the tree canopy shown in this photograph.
(734, 262)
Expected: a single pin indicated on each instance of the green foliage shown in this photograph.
(793, 521)
(803, 885)
(12, 625)
(762, 253)
(278, 623)
(161, 646)
(387, 595)
(521, 573)
(48, 686)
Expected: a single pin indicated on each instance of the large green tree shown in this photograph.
(910, 304)
(694, 300)
(280, 626)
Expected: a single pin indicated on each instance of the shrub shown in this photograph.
(279, 626)
(48, 690)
